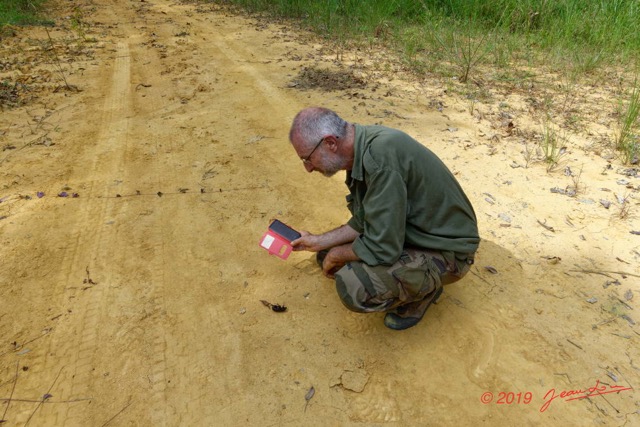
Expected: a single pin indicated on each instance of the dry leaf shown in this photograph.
(310, 393)
(308, 396)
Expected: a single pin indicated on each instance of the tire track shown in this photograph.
(90, 254)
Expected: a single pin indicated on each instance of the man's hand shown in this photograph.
(339, 240)
(308, 242)
(337, 258)
(331, 264)
(315, 243)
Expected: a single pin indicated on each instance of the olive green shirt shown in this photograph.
(401, 194)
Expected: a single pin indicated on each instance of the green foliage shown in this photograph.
(589, 33)
(20, 12)
(628, 138)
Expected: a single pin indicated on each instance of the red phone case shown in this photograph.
(277, 240)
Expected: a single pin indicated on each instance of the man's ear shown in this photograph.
(332, 143)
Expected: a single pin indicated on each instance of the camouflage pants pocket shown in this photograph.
(414, 283)
(365, 289)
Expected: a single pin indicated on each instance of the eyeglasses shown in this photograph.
(306, 159)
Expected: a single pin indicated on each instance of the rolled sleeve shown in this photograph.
(355, 224)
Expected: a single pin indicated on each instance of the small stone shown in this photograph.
(506, 218)
(586, 201)
(355, 380)
(628, 295)
(611, 282)
(592, 300)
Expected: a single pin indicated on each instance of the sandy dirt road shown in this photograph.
(137, 303)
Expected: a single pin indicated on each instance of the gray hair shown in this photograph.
(312, 124)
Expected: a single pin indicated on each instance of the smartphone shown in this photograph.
(284, 230)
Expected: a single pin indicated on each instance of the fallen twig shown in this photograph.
(15, 381)
(618, 371)
(605, 399)
(571, 342)
(493, 285)
(604, 322)
(119, 412)
(32, 142)
(625, 304)
(45, 397)
(621, 336)
(548, 227)
(84, 399)
(19, 346)
(604, 272)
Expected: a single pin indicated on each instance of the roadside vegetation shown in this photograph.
(585, 33)
(20, 12)
(574, 40)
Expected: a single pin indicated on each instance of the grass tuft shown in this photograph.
(552, 145)
(627, 140)
(21, 12)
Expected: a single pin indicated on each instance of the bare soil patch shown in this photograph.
(328, 80)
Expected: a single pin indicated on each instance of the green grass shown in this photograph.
(20, 12)
(627, 138)
(586, 33)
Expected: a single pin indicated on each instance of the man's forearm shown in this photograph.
(339, 236)
(328, 240)
(343, 254)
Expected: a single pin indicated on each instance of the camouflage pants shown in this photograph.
(417, 273)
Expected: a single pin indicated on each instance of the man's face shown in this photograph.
(322, 160)
(329, 164)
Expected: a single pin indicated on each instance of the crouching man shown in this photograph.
(412, 228)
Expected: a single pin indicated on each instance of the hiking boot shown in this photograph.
(320, 256)
(409, 315)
